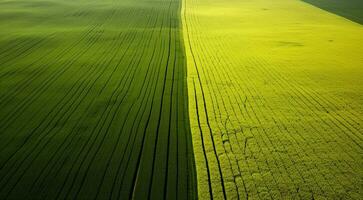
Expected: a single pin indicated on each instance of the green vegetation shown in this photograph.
(93, 100)
(181, 99)
(350, 9)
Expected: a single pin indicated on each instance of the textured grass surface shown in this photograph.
(350, 9)
(93, 101)
(275, 98)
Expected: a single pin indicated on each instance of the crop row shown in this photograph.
(259, 130)
(97, 110)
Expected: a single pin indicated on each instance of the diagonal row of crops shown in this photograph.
(93, 101)
(274, 99)
(180, 99)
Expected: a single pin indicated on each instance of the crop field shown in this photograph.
(92, 101)
(351, 9)
(276, 100)
(181, 99)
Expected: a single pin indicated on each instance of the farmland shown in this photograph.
(351, 9)
(181, 99)
(275, 98)
(92, 101)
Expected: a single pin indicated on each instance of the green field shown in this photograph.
(93, 100)
(350, 9)
(181, 99)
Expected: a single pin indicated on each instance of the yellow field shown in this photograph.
(298, 71)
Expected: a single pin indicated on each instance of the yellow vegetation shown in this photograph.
(275, 99)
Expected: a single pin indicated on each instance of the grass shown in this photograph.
(275, 100)
(181, 99)
(350, 9)
(93, 101)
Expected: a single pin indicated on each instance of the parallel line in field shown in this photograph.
(297, 111)
(348, 126)
(114, 148)
(272, 110)
(205, 50)
(84, 146)
(92, 101)
(39, 91)
(226, 76)
(107, 115)
(127, 114)
(30, 52)
(311, 99)
(64, 52)
(205, 111)
(81, 118)
(112, 129)
(22, 52)
(14, 43)
(55, 59)
(134, 166)
(42, 56)
(154, 180)
(29, 136)
(223, 103)
(306, 101)
(46, 133)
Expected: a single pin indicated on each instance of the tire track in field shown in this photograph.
(205, 50)
(316, 129)
(30, 135)
(64, 97)
(220, 176)
(92, 27)
(119, 136)
(317, 102)
(128, 111)
(39, 139)
(259, 138)
(21, 52)
(254, 112)
(21, 48)
(148, 92)
(99, 74)
(88, 90)
(233, 114)
(12, 44)
(130, 188)
(48, 113)
(79, 121)
(37, 60)
(126, 92)
(6, 52)
(51, 79)
(285, 127)
(107, 112)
